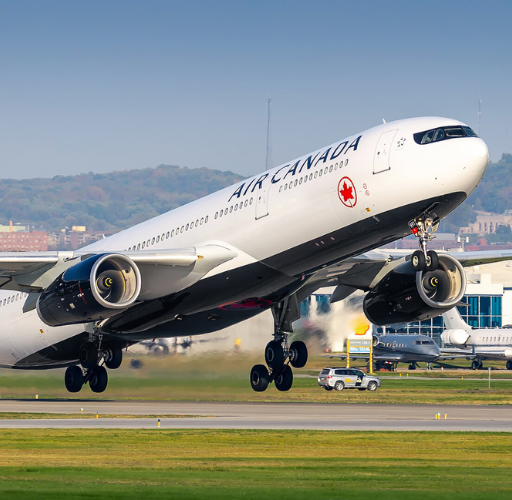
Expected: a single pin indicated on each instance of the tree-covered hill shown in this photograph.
(106, 202)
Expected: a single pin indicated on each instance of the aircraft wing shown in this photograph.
(392, 357)
(161, 272)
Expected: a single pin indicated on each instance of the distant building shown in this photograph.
(74, 238)
(20, 241)
(442, 241)
(487, 223)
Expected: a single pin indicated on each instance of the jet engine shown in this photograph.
(404, 295)
(455, 337)
(96, 288)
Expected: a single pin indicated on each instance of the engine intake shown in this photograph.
(95, 289)
(455, 337)
(405, 295)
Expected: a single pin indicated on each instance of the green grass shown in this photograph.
(218, 377)
(182, 464)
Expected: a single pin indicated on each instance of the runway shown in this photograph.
(229, 415)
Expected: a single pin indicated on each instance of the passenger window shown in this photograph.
(158, 238)
(186, 227)
(236, 207)
(285, 187)
(245, 204)
(206, 219)
(320, 173)
(296, 181)
(216, 213)
(230, 208)
(143, 244)
(172, 234)
(202, 220)
(153, 241)
(300, 181)
(138, 246)
(250, 201)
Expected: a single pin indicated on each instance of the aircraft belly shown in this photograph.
(359, 237)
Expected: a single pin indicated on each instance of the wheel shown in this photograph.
(432, 261)
(99, 379)
(412, 366)
(298, 354)
(372, 386)
(284, 380)
(115, 359)
(418, 260)
(327, 387)
(74, 378)
(88, 355)
(480, 365)
(274, 355)
(474, 365)
(509, 364)
(259, 378)
(339, 385)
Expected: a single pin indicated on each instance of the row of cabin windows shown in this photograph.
(495, 339)
(13, 298)
(318, 173)
(233, 208)
(170, 234)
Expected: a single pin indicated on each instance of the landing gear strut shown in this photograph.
(278, 354)
(93, 358)
(424, 227)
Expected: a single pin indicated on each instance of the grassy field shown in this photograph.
(127, 464)
(226, 377)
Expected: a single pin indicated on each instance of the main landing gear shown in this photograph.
(94, 359)
(423, 228)
(278, 355)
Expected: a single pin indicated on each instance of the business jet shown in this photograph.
(389, 350)
(478, 343)
(265, 243)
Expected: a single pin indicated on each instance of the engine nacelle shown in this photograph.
(405, 295)
(98, 287)
(454, 337)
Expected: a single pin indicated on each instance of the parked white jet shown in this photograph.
(478, 343)
(267, 242)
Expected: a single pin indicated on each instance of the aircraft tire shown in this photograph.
(259, 378)
(412, 366)
(284, 380)
(339, 385)
(299, 354)
(474, 365)
(432, 261)
(509, 364)
(418, 260)
(74, 378)
(115, 359)
(274, 355)
(99, 379)
(88, 355)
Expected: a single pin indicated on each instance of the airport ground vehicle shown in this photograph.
(347, 378)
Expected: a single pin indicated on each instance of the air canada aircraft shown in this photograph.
(478, 343)
(265, 243)
(389, 350)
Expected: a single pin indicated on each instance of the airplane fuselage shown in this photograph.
(284, 225)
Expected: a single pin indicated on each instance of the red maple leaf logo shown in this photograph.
(346, 192)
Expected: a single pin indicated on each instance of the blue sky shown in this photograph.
(114, 85)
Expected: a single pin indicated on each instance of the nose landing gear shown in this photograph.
(424, 227)
(277, 352)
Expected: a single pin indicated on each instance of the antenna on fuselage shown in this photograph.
(268, 160)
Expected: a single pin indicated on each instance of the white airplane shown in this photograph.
(265, 243)
(479, 343)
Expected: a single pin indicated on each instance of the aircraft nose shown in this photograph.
(476, 156)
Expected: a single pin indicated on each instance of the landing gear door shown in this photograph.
(381, 160)
(262, 202)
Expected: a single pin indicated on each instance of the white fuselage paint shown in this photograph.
(280, 209)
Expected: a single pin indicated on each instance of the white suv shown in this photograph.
(347, 378)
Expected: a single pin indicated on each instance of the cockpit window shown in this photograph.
(442, 134)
